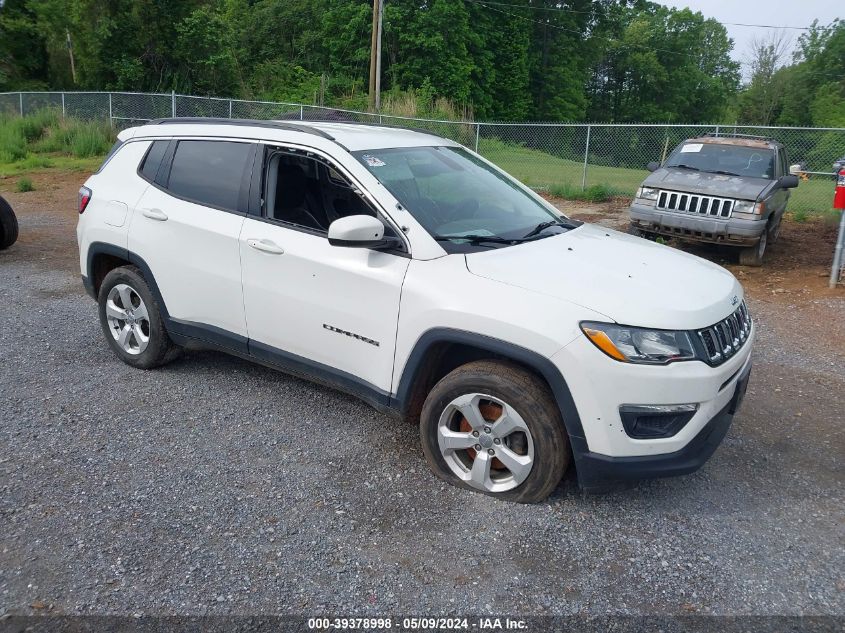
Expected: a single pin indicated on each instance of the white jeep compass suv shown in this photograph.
(407, 270)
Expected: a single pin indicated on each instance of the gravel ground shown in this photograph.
(214, 486)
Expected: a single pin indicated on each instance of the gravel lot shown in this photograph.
(214, 486)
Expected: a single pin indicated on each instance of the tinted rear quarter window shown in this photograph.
(209, 172)
(152, 160)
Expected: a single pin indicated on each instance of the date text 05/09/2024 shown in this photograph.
(419, 623)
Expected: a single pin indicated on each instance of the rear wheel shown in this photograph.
(753, 256)
(131, 320)
(8, 225)
(494, 427)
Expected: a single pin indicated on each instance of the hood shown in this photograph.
(737, 187)
(628, 279)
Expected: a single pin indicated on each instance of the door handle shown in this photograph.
(155, 214)
(266, 246)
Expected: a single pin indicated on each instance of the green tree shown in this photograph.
(23, 53)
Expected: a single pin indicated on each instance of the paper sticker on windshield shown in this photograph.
(374, 161)
(691, 147)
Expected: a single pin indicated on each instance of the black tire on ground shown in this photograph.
(532, 399)
(646, 235)
(161, 349)
(774, 230)
(753, 256)
(8, 225)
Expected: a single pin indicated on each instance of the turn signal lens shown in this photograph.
(603, 342)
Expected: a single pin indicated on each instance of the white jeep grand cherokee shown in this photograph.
(407, 270)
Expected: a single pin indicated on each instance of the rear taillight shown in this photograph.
(84, 198)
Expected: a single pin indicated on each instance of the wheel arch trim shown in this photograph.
(537, 362)
(175, 327)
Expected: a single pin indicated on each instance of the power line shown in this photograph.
(568, 10)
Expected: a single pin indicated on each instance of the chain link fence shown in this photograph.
(561, 158)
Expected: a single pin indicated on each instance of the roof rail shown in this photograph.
(735, 135)
(279, 125)
(373, 124)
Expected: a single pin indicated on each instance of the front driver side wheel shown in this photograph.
(753, 256)
(131, 320)
(495, 428)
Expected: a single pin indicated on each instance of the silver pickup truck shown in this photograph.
(729, 190)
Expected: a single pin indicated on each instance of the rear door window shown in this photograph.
(210, 172)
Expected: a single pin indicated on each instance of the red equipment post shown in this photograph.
(839, 253)
(839, 196)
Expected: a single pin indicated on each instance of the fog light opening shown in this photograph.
(648, 422)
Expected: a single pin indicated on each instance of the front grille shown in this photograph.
(724, 339)
(695, 203)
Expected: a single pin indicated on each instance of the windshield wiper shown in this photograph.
(724, 173)
(545, 225)
(682, 166)
(477, 239)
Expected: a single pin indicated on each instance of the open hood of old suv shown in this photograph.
(691, 181)
(630, 280)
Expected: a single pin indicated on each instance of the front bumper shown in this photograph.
(732, 231)
(598, 472)
(600, 385)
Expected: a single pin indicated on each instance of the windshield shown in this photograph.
(734, 160)
(453, 193)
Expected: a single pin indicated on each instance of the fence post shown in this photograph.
(586, 157)
(111, 119)
(477, 134)
(63, 105)
(20, 96)
(301, 113)
(717, 130)
(230, 108)
(173, 103)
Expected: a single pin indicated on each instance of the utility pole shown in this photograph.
(70, 52)
(378, 56)
(375, 56)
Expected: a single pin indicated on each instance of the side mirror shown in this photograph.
(360, 231)
(788, 182)
(653, 166)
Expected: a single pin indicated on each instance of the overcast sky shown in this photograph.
(775, 12)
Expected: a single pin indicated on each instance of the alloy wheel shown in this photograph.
(485, 442)
(128, 319)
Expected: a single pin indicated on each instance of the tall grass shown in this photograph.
(593, 193)
(46, 132)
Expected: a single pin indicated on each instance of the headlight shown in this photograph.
(639, 345)
(647, 193)
(749, 207)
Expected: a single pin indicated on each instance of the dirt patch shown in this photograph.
(47, 218)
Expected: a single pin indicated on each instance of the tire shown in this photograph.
(774, 230)
(140, 338)
(646, 235)
(8, 225)
(512, 400)
(753, 256)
